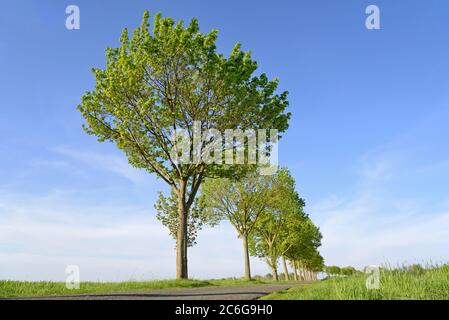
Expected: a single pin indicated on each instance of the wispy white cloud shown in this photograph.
(49, 231)
(49, 163)
(40, 236)
(114, 163)
(362, 231)
(387, 219)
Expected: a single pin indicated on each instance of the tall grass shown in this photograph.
(405, 283)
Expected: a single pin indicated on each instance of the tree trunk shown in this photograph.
(298, 270)
(181, 243)
(295, 271)
(284, 263)
(274, 274)
(272, 262)
(246, 257)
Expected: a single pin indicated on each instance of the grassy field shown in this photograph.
(10, 289)
(400, 284)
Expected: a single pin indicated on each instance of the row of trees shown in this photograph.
(172, 78)
(333, 271)
(267, 215)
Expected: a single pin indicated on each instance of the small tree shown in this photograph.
(314, 263)
(333, 270)
(305, 244)
(292, 236)
(158, 83)
(241, 202)
(167, 214)
(348, 271)
(272, 228)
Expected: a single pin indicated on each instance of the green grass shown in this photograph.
(400, 284)
(10, 289)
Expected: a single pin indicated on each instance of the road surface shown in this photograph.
(245, 292)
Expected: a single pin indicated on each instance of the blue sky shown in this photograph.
(367, 142)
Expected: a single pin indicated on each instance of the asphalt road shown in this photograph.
(247, 292)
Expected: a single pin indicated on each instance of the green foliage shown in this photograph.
(160, 81)
(268, 211)
(333, 270)
(278, 229)
(313, 260)
(305, 248)
(348, 271)
(242, 201)
(340, 271)
(167, 214)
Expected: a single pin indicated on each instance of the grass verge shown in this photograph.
(400, 284)
(11, 289)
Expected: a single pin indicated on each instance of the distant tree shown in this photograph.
(348, 271)
(242, 202)
(333, 270)
(292, 236)
(164, 81)
(315, 263)
(304, 249)
(270, 237)
(416, 269)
